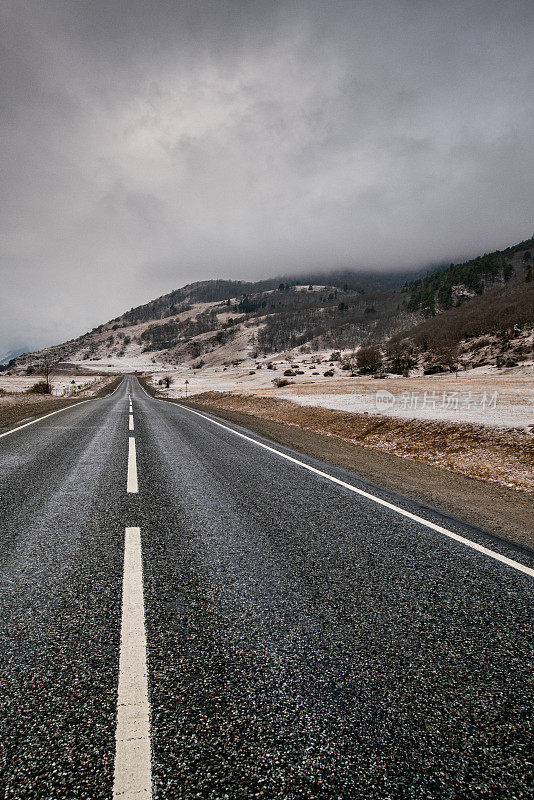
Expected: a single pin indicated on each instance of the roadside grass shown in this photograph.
(493, 455)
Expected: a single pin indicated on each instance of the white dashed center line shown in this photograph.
(131, 485)
(131, 424)
(132, 775)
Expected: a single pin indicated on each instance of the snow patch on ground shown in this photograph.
(61, 385)
(498, 399)
(488, 408)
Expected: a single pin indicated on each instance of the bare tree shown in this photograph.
(48, 368)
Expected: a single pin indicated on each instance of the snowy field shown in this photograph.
(500, 398)
(488, 408)
(62, 385)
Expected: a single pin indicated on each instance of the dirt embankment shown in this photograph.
(504, 457)
(464, 470)
(15, 408)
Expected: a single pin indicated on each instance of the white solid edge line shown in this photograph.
(467, 542)
(131, 484)
(112, 393)
(131, 423)
(132, 772)
(51, 414)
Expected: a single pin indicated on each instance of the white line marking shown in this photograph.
(132, 775)
(131, 485)
(45, 416)
(114, 390)
(479, 548)
(131, 423)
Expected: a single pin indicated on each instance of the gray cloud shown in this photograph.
(148, 144)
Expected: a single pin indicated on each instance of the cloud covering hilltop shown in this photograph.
(151, 144)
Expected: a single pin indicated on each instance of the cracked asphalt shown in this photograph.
(303, 641)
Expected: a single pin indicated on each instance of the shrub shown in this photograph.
(401, 357)
(41, 387)
(369, 360)
(279, 382)
(521, 351)
(329, 373)
(288, 372)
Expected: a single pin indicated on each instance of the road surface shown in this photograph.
(188, 611)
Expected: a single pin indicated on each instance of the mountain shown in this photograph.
(12, 354)
(219, 322)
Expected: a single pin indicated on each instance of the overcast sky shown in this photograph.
(149, 144)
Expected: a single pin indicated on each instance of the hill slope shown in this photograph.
(220, 322)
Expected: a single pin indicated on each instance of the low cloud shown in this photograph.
(147, 145)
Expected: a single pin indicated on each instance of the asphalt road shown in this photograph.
(300, 640)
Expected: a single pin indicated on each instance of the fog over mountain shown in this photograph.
(150, 144)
